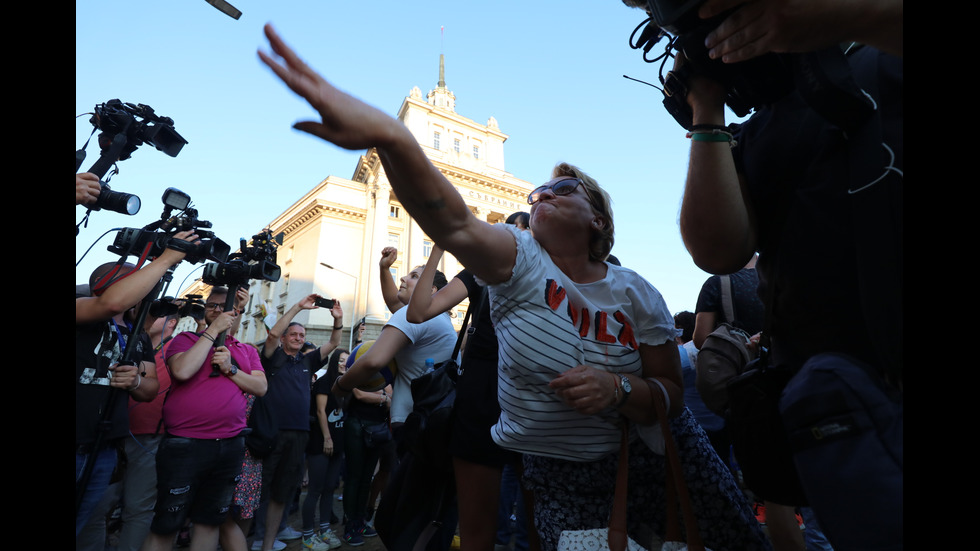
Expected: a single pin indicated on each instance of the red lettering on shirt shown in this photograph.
(553, 294)
(626, 336)
(583, 330)
(601, 334)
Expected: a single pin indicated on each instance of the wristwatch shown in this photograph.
(233, 370)
(624, 384)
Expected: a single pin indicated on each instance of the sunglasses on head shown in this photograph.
(565, 186)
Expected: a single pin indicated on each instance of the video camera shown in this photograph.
(257, 261)
(748, 84)
(191, 305)
(125, 127)
(152, 240)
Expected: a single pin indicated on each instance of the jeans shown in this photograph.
(511, 502)
(812, 534)
(98, 482)
(137, 492)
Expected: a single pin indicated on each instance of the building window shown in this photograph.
(394, 273)
(393, 240)
(476, 152)
(456, 145)
(435, 140)
(394, 211)
(426, 248)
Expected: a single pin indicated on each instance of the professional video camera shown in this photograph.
(821, 77)
(190, 305)
(257, 261)
(152, 240)
(125, 127)
(748, 84)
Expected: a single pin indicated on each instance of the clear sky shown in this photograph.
(550, 72)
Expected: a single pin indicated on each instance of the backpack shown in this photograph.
(845, 426)
(723, 356)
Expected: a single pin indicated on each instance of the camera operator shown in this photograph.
(87, 188)
(101, 330)
(201, 454)
(783, 184)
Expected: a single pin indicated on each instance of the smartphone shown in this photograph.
(323, 302)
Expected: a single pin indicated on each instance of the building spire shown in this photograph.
(442, 71)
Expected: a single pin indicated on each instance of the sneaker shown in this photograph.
(276, 545)
(330, 539)
(315, 544)
(368, 531)
(353, 537)
(288, 534)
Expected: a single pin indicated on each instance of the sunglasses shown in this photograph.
(565, 186)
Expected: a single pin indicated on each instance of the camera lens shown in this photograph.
(117, 201)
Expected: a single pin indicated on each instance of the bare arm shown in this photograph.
(389, 291)
(337, 331)
(704, 324)
(321, 416)
(388, 343)
(125, 293)
(425, 306)
(717, 223)
(590, 390)
(488, 251)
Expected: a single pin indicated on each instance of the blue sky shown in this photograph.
(550, 72)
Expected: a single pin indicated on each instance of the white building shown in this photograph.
(334, 234)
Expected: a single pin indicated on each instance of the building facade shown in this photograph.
(333, 235)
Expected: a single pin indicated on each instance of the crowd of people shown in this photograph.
(570, 354)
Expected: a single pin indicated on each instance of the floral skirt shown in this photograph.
(570, 495)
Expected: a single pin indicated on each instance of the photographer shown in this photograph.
(201, 455)
(101, 333)
(290, 382)
(783, 184)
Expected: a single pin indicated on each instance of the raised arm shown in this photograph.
(389, 290)
(488, 251)
(272, 339)
(336, 332)
(717, 223)
(125, 293)
(425, 306)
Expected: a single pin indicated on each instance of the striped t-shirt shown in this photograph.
(547, 324)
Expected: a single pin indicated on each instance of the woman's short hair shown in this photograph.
(601, 242)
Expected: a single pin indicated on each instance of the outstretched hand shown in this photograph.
(346, 121)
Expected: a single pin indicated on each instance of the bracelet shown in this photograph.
(208, 337)
(139, 381)
(712, 135)
(336, 328)
(697, 127)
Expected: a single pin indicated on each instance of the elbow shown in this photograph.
(414, 317)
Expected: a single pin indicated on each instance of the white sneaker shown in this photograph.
(330, 539)
(314, 543)
(276, 545)
(289, 533)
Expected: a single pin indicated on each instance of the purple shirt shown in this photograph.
(204, 406)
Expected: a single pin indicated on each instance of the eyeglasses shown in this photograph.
(564, 186)
(214, 306)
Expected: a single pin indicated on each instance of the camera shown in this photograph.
(748, 84)
(191, 305)
(124, 127)
(152, 240)
(116, 201)
(324, 302)
(255, 261)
